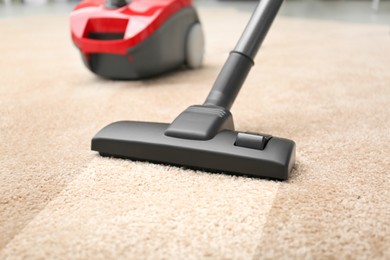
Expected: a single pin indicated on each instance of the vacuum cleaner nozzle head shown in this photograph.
(229, 151)
(203, 137)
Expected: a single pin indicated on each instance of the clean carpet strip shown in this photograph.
(117, 208)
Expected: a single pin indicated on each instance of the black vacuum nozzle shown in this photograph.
(146, 141)
(203, 136)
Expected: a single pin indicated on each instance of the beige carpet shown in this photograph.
(325, 85)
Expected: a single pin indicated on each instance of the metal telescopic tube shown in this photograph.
(240, 61)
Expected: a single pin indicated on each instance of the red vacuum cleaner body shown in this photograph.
(133, 39)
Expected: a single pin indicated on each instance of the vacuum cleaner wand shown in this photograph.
(236, 69)
(203, 136)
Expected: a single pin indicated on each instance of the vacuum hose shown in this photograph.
(240, 61)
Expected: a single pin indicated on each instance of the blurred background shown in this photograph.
(358, 11)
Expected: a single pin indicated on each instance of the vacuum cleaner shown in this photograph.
(203, 136)
(135, 39)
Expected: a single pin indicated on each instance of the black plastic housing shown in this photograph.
(201, 123)
(147, 141)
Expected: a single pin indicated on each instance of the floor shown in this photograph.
(323, 84)
(348, 11)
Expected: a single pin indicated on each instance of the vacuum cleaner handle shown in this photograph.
(240, 61)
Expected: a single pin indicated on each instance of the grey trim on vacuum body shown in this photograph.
(161, 52)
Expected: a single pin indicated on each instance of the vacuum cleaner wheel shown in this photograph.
(195, 46)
